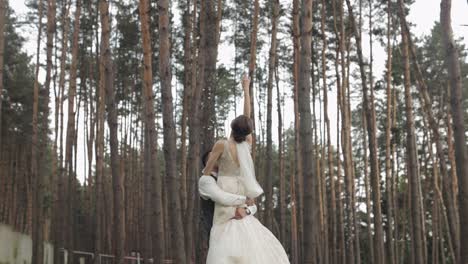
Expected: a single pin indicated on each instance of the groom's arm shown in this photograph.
(210, 190)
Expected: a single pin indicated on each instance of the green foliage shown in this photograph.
(18, 83)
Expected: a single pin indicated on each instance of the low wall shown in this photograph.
(16, 248)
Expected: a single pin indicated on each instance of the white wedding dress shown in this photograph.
(244, 241)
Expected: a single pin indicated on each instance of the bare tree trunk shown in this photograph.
(390, 242)
(98, 194)
(371, 130)
(252, 64)
(311, 202)
(269, 147)
(208, 117)
(297, 235)
(151, 159)
(71, 129)
(282, 195)
(328, 251)
(170, 150)
(417, 233)
(185, 102)
(453, 62)
(37, 212)
(117, 181)
(3, 8)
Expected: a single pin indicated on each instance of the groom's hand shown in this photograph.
(250, 201)
(240, 213)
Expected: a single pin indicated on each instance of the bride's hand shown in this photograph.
(245, 82)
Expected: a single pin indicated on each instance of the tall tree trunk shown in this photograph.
(269, 146)
(326, 241)
(208, 117)
(3, 8)
(107, 80)
(170, 150)
(390, 241)
(435, 135)
(417, 233)
(187, 17)
(63, 187)
(371, 133)
(71, 128)
(461, 155)
(252, 65)
(311, 202)
(346, 141)
(99, 148)
(37, 212)
(282, 194)
(297, 194)
(151, 160)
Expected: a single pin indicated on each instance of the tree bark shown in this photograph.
(3, 8)
(151, 160)
(37, 213)
(417, 233)
(208, 117)
(71, 128)
(252, 65)
(461, 155)
(170, 150)
(269, 146)
(371, 133)
(311, 202)
(107, 80)
(390, 242)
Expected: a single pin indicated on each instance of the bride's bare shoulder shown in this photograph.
(219, 145)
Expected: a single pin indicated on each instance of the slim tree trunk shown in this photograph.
(185, 102)
(117, 181)
(311, 202)
(37, 213)
(282, 197)
(390, 241)
(435, 135)
(208, 117)
(252, 65)
(328, 253)
(269, 146)
(3, 8)
(151, 159)
(371, 131)
(178, 240)
(418, 247)
(297, 242)
(71, 127)
(461, 155)
(98, 195)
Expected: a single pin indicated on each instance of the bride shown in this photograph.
(235, 240)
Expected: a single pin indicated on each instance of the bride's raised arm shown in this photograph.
(247, 110)
(245, 86)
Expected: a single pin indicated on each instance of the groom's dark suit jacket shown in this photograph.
(206, 222)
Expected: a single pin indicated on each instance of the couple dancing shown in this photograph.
(236, 236)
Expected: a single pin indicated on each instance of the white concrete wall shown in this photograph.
(16, 248)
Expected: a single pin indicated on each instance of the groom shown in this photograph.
(210, 193)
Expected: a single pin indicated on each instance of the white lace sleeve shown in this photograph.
(210, 190)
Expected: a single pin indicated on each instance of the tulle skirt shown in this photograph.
(244, 241)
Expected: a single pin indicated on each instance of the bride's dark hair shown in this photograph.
(241, 127)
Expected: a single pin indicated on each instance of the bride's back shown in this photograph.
(227, 164)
